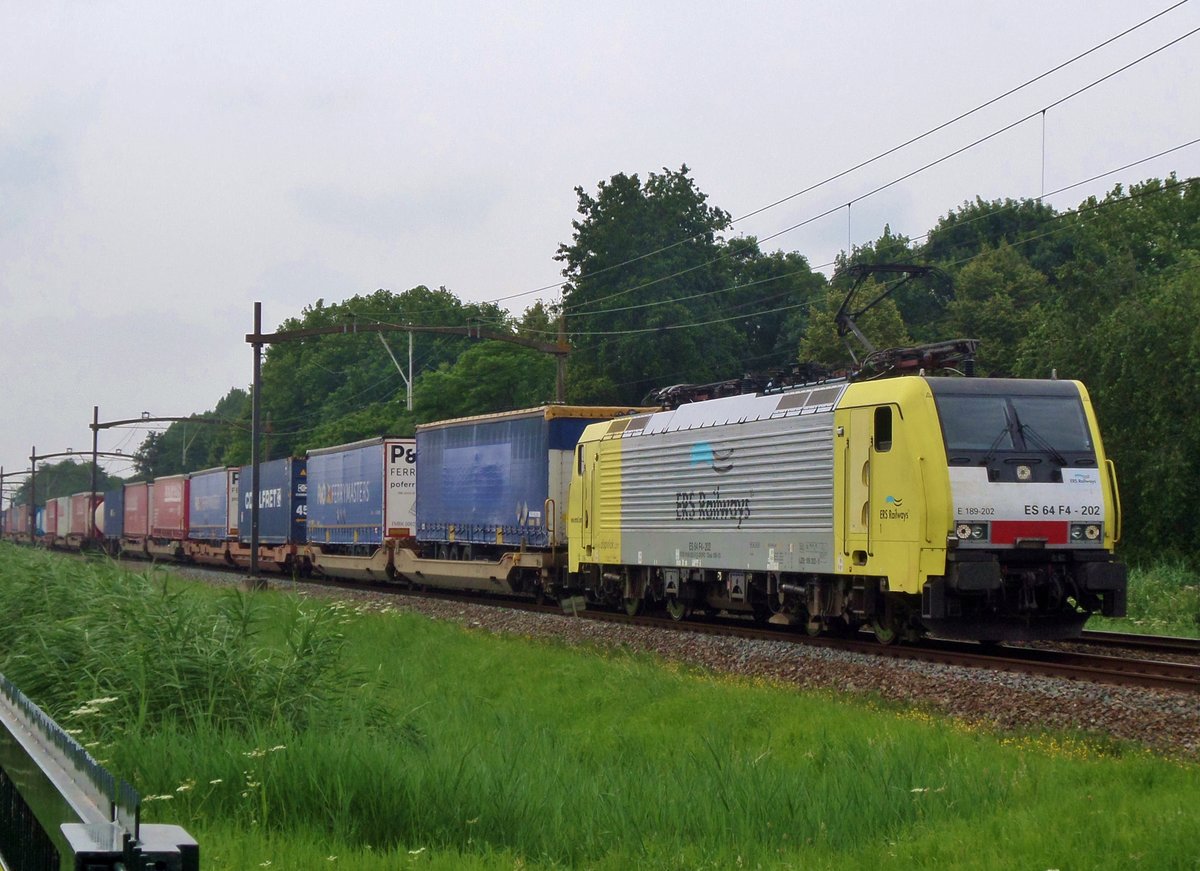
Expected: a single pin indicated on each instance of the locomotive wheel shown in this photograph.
(885, 631)
(678, 609)
(633, 605)
(813, 626)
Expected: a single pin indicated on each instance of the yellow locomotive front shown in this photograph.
(990, 499)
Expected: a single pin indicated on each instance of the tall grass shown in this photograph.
(148, 653)
(325, 737)
(1164, 599)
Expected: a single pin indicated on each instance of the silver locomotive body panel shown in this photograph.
(733, 484)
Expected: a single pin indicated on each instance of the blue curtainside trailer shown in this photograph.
(361, 493)
(208, 516)
(114, 514)
(500, 479)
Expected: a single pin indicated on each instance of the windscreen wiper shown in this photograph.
(1040, 441)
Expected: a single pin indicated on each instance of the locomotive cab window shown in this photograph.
(883, 429)
(989, 425)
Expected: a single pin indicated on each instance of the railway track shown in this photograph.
(1153, 643)
(1114, 670)
(1072, 665)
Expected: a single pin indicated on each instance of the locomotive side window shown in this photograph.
(883, 429)
(579, 458)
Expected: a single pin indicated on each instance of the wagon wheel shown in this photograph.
(678, 609)
(633, 605)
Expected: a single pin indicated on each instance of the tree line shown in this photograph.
(657, 292)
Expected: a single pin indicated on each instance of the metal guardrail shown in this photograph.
(60, 810)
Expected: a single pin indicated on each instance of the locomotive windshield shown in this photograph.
(1009, 418)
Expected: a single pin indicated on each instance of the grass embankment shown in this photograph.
(1164, 599)
(308, 735)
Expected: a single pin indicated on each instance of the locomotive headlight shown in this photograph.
(971, 531)
(1085, 532)
(1092, 532)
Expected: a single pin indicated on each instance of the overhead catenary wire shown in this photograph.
(880, 156)
(908, 175)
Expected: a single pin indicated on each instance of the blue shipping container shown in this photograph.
(490, 479)
(114, 514)
(348, 494)
(208, 515)
(282, 502)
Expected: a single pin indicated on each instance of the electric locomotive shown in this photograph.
(969, 507)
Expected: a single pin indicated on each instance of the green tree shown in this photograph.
(1030, 225)
(1144, 383)
(489, 377)
(882, 326)
(998, 299)
(333, 388)
(647, 289)
(774, 292)
(64, 478)
(199, 443)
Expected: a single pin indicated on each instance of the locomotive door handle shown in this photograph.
(846, 498)
(925, 499)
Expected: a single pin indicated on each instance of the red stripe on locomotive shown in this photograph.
(1008, 531)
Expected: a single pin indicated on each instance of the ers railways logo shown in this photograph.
(703, 454)
(892, 511)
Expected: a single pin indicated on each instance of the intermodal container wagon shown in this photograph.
(362, 493)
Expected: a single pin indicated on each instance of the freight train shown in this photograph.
(972, 508)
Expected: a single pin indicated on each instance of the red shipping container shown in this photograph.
(169, 519)
(136, 517)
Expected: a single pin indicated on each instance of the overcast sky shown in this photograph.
(164, 165)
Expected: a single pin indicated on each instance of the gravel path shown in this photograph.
(1164, 720)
